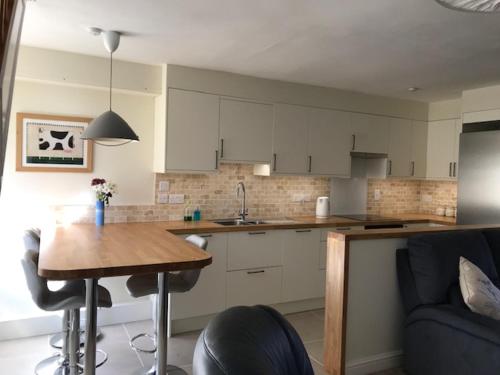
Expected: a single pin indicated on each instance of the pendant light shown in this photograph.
(483, 6)
(109, 129)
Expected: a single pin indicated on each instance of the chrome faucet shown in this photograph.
(240, 188)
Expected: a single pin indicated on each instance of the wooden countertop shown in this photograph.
(83, 251)
(351, 235)
(181, 227)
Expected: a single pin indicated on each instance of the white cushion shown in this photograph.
(479, 293)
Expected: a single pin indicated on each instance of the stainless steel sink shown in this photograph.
(231, 222)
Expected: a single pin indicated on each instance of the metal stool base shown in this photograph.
(56, 341)
(171, 370)
(138, 348)
(54, 365)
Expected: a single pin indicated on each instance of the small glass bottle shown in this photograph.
(197, 214)
(187, 214)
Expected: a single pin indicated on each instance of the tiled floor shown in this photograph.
(18, 357)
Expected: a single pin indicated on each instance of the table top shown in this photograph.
(81, 251)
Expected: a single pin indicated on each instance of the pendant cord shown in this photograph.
(110, 78)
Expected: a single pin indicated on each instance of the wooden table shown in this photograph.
(84, 251)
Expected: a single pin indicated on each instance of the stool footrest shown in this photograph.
(142, 350)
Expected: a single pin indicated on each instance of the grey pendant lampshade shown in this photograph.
(483, 6)
(109, 127)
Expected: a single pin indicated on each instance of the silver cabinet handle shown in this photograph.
(216, 159)
(256, 233)
(390, 167)
(310, 163)
(221, 148)
(205, 235)
(254, 272)
(455, 169)
(303, 231)
(413, 168)
(353, 142)
(274, 162)
(450, 170)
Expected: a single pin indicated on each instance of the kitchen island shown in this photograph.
(363, 310)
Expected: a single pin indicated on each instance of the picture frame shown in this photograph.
(50, 143)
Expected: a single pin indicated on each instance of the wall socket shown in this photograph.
(162, 198)
(377, 194)
(164, 186)
(176, 198)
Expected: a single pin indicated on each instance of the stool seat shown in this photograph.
(71, 296)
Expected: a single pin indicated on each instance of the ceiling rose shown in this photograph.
(472, 5)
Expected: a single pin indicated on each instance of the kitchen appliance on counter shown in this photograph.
(322, 207)
(375, 218)
(479, 174)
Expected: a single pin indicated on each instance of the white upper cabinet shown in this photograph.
(370, 133)
(192, 131)
(400, 142)
(246, 130)
(419, 149)
(458, 131)
(442, 149)
(330, 138)
(290, 154)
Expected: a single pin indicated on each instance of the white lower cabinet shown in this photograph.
(254, 286)
(209, 294)
(301, 271)
(247, 250)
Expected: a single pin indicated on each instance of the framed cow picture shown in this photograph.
(47, 143)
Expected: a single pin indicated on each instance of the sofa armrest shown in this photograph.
(459, 319)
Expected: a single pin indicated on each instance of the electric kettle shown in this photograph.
(322, 207)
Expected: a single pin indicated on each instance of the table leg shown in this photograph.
(161, 324)
(90, 325)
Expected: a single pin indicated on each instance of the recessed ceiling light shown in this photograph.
(413, 89)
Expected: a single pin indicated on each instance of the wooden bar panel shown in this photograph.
(336, 304)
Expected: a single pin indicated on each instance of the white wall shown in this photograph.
(445, 110)
(26, 195)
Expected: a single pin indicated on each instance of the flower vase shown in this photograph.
(99, 213)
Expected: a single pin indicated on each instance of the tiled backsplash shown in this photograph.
(267, 197)
(408, 196)
(274, 196)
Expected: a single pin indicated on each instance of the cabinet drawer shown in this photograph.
(254, 249)
(251, 287)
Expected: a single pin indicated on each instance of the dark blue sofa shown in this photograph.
(441, 335)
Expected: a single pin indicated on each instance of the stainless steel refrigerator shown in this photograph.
(479, 174)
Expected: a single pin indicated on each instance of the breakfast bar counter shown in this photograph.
(86, 251)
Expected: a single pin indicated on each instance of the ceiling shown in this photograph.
(377, 47)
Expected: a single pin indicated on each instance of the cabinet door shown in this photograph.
(419, 149)
(330, 142)
(208, 296)
(441, 149)
(246, 131)
(399, 148)
(371, 133)
(301, 267)
(458, 131)
(290, 139)
(192, 131)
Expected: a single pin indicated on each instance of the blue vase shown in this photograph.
(99, 213)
